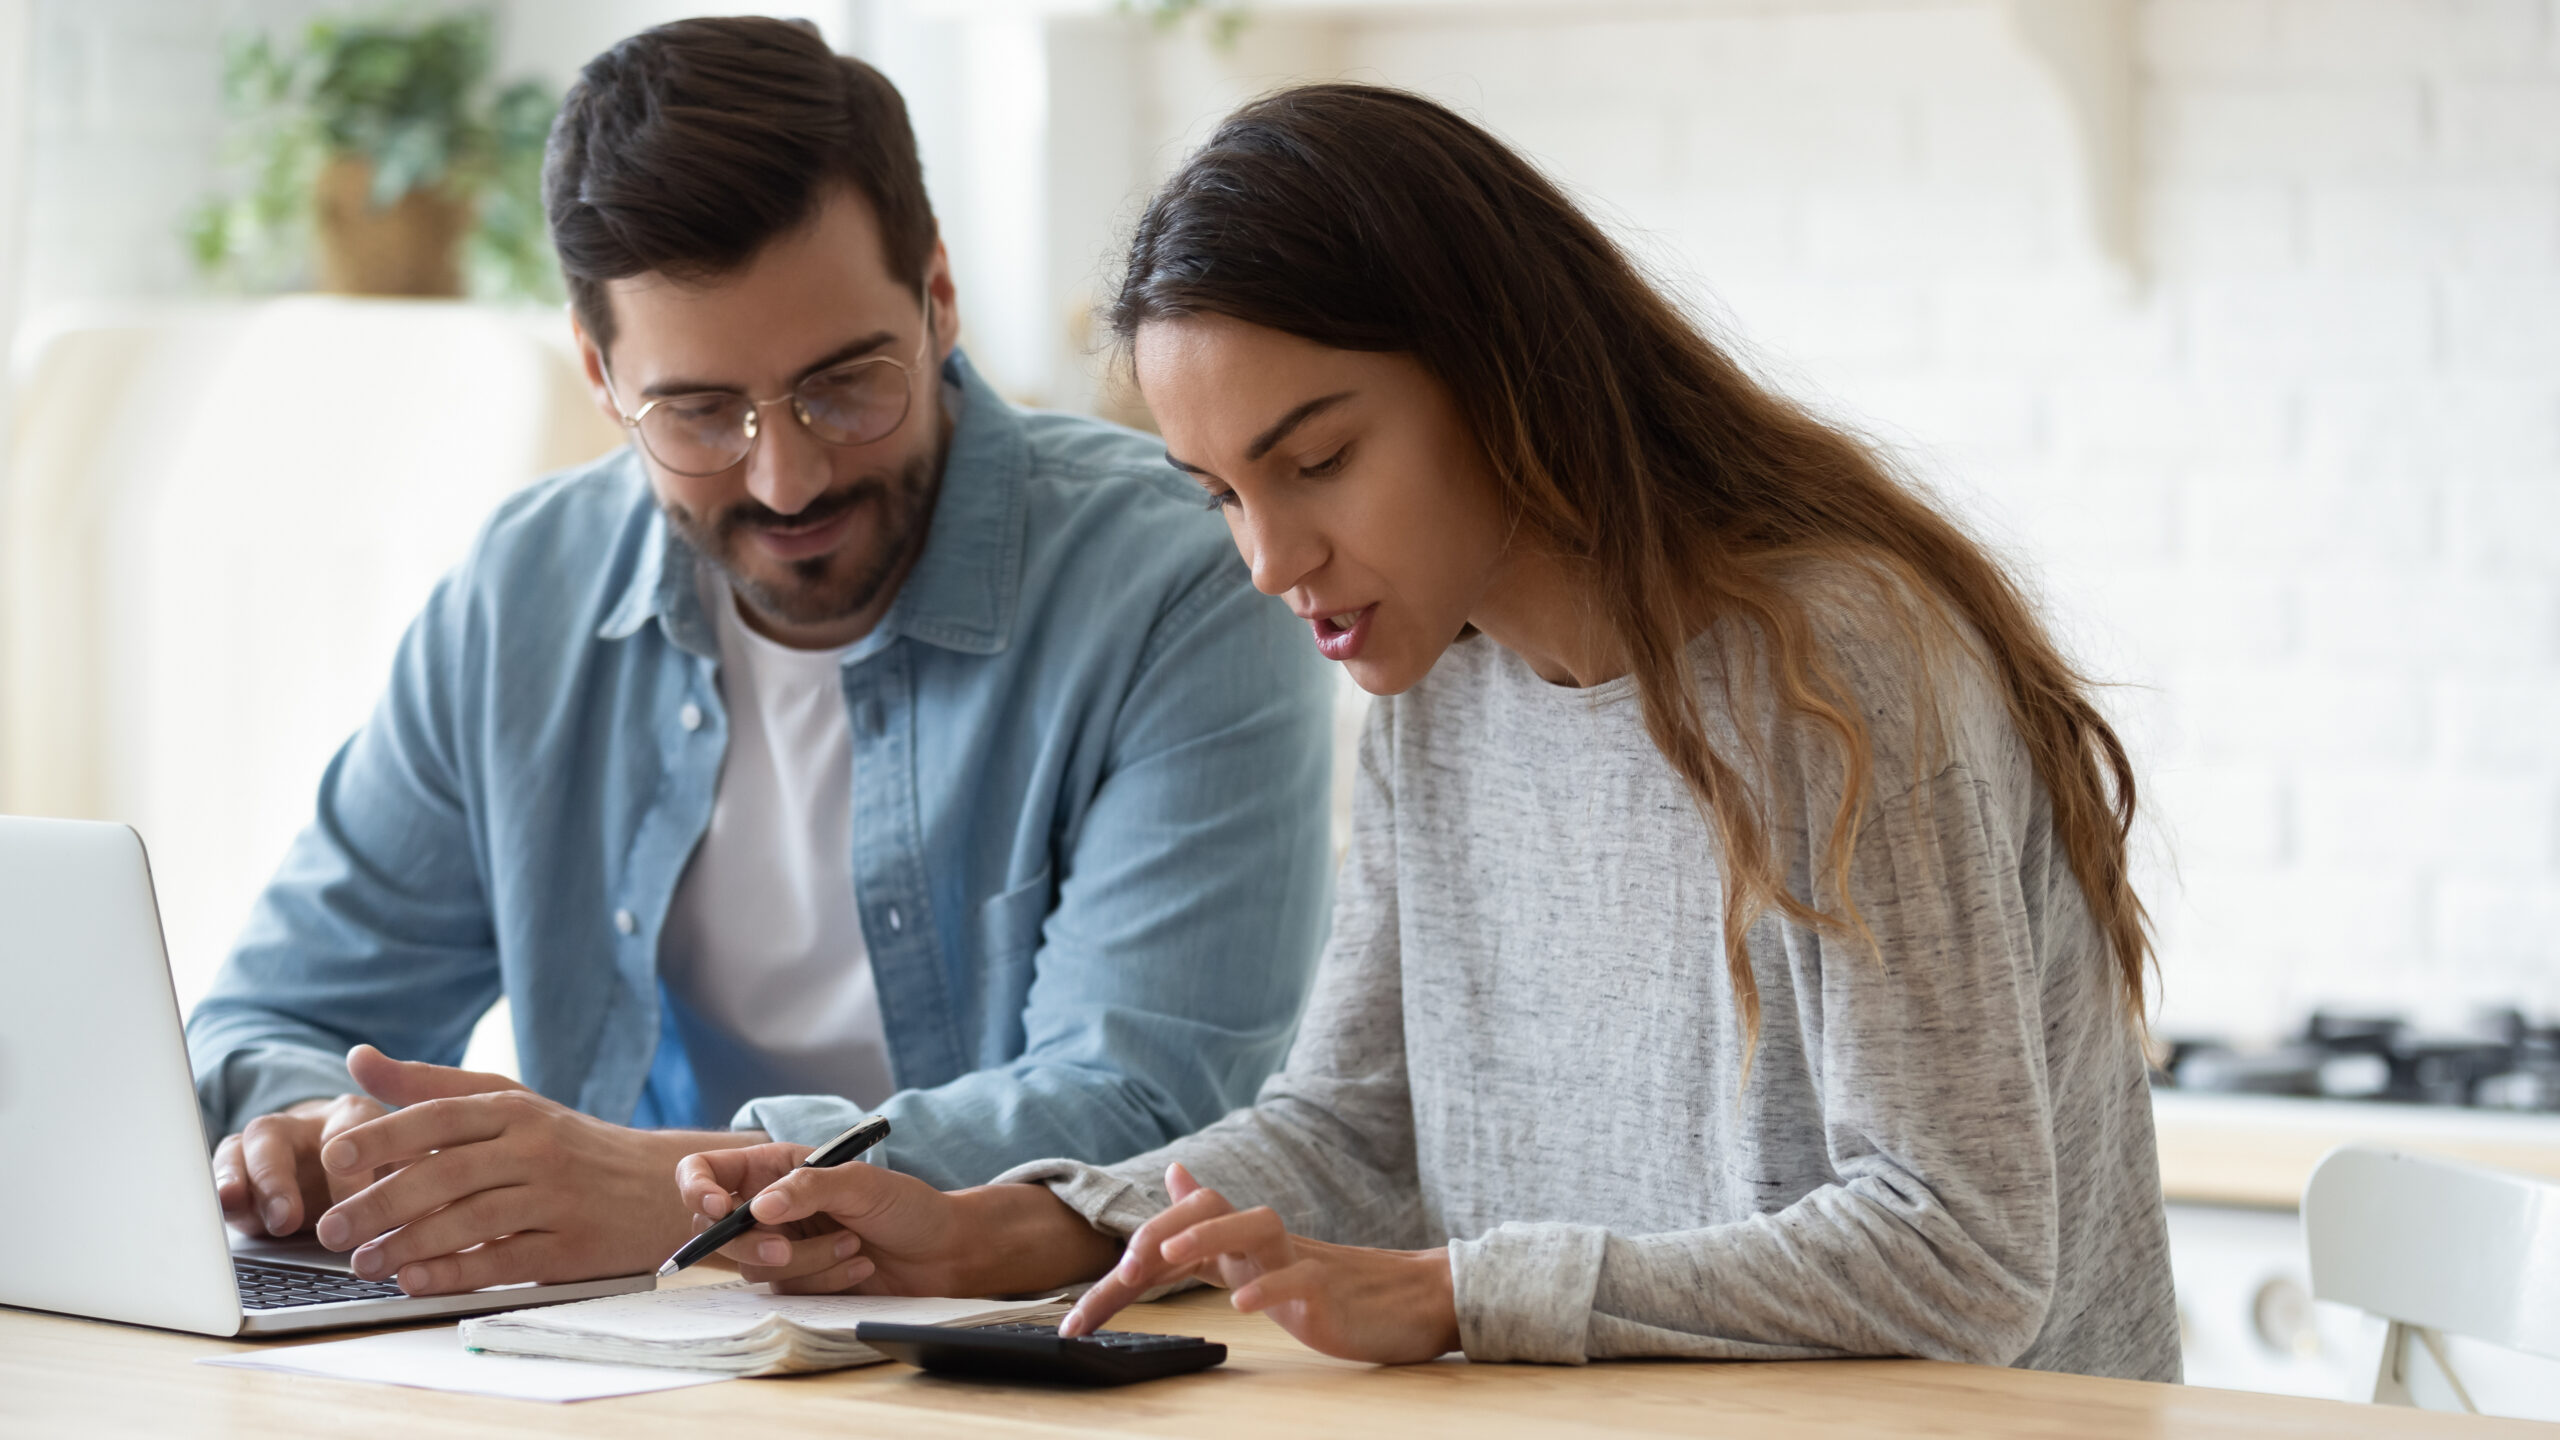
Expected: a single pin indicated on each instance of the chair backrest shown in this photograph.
(2452, 1246)
(2439, 1248)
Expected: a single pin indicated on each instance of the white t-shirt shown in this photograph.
(762, 938)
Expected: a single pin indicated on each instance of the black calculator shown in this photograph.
(1038, 1352)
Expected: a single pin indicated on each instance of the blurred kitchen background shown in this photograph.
(2234, 323)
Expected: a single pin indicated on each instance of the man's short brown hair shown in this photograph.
(686, 148)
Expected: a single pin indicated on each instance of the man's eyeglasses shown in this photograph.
(709, 431)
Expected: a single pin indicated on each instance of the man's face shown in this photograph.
(815, 536)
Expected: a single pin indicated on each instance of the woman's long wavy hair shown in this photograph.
(1363, 218)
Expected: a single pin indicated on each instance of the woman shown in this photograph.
(1735, 955)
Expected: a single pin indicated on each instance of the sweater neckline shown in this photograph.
(1516, 673)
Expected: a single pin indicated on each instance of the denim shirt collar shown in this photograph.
(961, 594)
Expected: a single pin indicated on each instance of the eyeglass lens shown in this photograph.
(851, 404)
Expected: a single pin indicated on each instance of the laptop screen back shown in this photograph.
(110, 1210)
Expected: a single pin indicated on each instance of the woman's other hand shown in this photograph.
(1387, 1306)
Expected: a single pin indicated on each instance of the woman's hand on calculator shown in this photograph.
(1386, 1306)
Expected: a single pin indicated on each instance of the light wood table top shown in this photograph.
(83, 1378)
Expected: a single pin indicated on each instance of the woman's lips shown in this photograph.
(803, 543)
(1340, 635)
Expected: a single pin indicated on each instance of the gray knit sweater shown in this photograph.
(1523, 1044)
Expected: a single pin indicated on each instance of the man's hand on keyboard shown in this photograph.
(269, 1175)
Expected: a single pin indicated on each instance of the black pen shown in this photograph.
(737, 1222)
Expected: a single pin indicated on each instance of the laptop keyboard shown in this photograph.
(277, 1287)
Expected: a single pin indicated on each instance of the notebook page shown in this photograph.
(716, 1312)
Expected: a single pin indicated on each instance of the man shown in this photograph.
(850, 741)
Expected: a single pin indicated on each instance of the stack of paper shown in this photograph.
(732, 1329)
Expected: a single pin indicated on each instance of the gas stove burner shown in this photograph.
(2285, 1070)
(2501, 1062)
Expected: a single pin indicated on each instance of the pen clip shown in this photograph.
(870, 1131)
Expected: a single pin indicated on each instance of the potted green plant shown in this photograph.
(1226, 18)
(376, 157)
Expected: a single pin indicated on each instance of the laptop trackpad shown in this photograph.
(295, 1250)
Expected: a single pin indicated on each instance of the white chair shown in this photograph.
(2462, 1261)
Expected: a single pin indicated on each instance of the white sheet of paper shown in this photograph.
(433, 1359)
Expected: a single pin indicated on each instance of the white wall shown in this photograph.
(17, 31)
(17, 36)
(127, 95)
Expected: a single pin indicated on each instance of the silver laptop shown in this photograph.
(99, 1127)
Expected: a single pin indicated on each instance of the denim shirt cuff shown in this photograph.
(257, 1080)
(803, 1119)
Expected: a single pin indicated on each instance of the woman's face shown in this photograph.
(1352, 486)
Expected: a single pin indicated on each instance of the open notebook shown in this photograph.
(735, 1329)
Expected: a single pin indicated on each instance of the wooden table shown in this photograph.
(82, 1378)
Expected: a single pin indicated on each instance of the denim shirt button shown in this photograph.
(867, 717)
(625, 921)
(690, 717)
(897, 922)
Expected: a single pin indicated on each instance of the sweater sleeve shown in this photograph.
(1938, 1236)
(1328, 1141)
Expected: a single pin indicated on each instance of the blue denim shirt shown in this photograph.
(1090, 848)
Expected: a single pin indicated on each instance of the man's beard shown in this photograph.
(840, 583)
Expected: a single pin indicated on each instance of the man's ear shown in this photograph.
(591, 360)
(946, 302)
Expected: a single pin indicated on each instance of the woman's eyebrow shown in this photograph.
(1280, 429)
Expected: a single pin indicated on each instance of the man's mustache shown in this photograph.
(756, 515)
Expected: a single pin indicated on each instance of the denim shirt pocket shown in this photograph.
(1009, 924)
